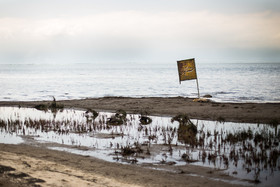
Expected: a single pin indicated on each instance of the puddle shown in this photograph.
(249, 152)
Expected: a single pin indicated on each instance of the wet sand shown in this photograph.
(230, 112)
(57, 168)
(31, 165)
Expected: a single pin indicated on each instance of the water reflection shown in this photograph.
(248, 151)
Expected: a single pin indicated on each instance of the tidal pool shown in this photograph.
(249, 152)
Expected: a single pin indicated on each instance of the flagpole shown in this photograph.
(197, 82)
(197, 87)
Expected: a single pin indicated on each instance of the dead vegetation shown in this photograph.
(257, 150)
(53, 106)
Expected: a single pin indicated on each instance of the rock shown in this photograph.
(207, 96)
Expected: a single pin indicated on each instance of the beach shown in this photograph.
(57, 168)
(34, 164)
(139, 93)
(171, 106)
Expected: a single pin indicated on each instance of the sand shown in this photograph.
(57, 168)
(231, 112)
(32, 165)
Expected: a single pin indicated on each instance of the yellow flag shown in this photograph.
(186, 69)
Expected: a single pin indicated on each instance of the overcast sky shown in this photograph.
(83, 31)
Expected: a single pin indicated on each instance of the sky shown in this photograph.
(158, 31)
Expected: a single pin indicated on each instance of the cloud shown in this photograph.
(138, 35)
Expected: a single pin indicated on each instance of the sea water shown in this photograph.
(247, 82)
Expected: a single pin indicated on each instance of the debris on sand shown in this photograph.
(118, 119)
(53, 106)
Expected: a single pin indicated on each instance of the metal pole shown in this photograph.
(197, 82)
(197, 87)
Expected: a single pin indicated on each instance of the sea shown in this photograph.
(225, 82)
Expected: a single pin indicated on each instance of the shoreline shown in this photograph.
(228, 112)
(35, 165)
(32, 163)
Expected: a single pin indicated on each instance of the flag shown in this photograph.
(186, 69)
